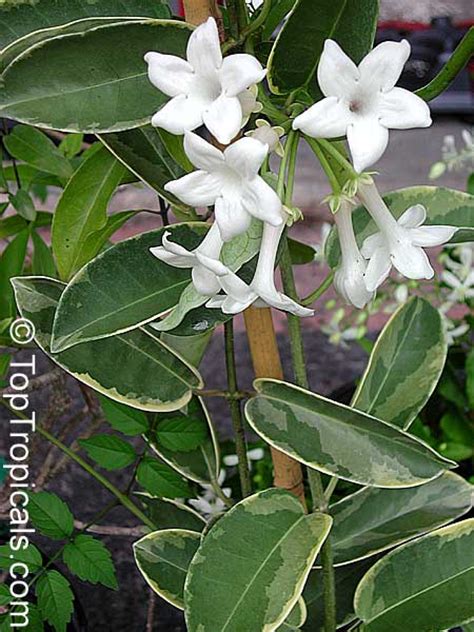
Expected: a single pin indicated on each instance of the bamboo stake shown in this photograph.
(259, 323)
(266, 363)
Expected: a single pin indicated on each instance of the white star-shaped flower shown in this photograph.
(349, 279)
(400, 243)
(261, 291)
(362, 101)
(173, 254)
(205, 89)
(230, 181)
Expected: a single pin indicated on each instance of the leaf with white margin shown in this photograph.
(373, 519)
(405, 364)
(443, 206)
(296, 618)
(253, 563)
(134, 368)
(163, 558)
(339, 440)
(235, 253)
(167, 513)
(202, 463)
(434, 578)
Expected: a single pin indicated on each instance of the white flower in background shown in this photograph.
(232, 460)
(249, 103)
(462, 288)
(175, 255)
(230, 181)
(398, 243)
(262, 290)
(362, 101)
(349, 279)
(208, 502)
(268, 135)
(206, 88)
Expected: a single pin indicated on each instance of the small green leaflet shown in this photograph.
(180, 433)
(55, 599)
(160, 480)
(50, 515)
(29, 556)
(90, 560)
(124, 418)
(109, 451)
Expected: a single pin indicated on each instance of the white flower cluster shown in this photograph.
(361, 103)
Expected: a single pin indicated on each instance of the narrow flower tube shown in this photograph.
(349, 279)
(204, 280)
(398, 243)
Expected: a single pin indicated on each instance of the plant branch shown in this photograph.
(451, 69)
(319, 291)
(235, 410)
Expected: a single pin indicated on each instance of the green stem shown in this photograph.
(319, 291)
(235, 410)
(301, 379)
(246, 29)
(321, 156)
(451, 69)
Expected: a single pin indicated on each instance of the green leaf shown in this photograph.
(143, 152)
(339, 440)
(82, 210)
(346, 580)
(373, 520)
(457, 428)
(90, 560)
(48, 86)
(279, 10)
(180, 433)
(123, 418)
(200, 464)
(99, 238)
(160, 480)
(296, 618)
(175, 147)
(405, 364)
(5, 596)
(253, 562)
(298, 47)
(18, 19)
(134, 368)
(300, 253)
(171, 514)
(5, 359)
(135, 287)
(23, 204)
(109, 451)
(191, 348)
(71, 145)
(434, 576)
(36, 149)
(29, 556)
(470, 378)
(55, 599)
(163, 558)
(13, 224)
(43, 262)
(443, 206)
(11, 265)
(51, 515)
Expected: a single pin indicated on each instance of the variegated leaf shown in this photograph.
(251, 567)
(163, 558)
(443, 206)
(339, 440)
(433, 588)
(296, 618)
(405, 364)
(373, 520)
(166, 513)
(134, 368)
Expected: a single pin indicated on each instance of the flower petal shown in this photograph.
(401, 109)
(180, 114)
(175, 260)
(412, 262)
(371, 244)
(367, 141)
(382, 67)
(223, 118)
(378, 269)
(239, 72)
(246, 156)
(204, 49)
(429, 236)
(327, 118)
(337, 73)
(261, 201)
(170, 74)
(231, 217)
(350, 283)
(278, 300)
(205, 281)
(197, 189)
(413, 217)
(202, 154)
